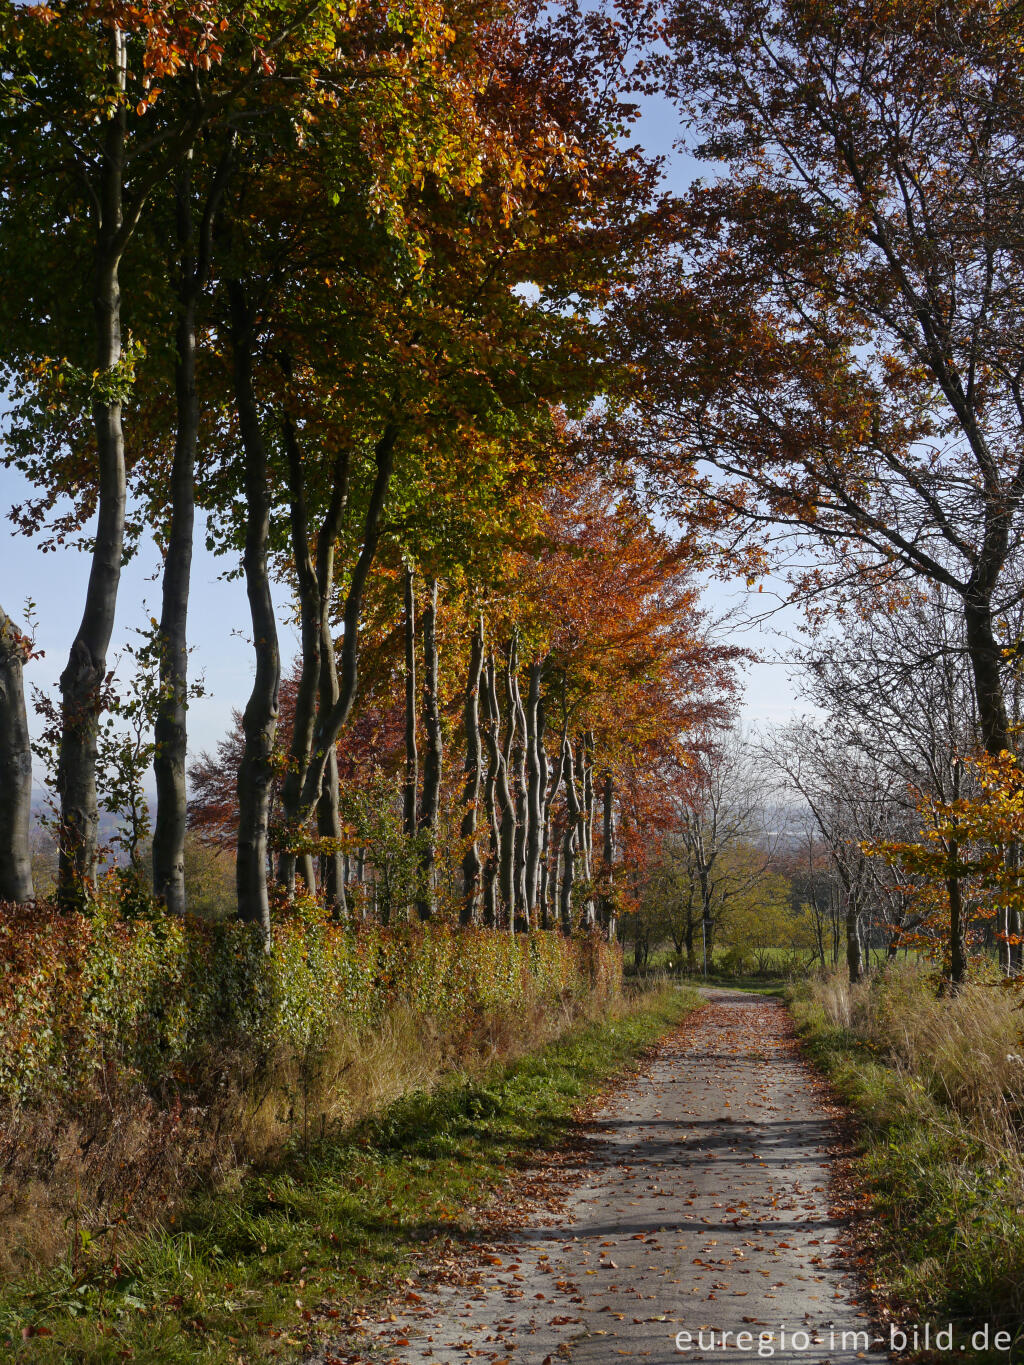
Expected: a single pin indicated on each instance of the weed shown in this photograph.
(271, 1261)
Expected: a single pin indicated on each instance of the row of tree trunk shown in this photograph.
(527, 820)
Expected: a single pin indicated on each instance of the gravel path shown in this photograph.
(700, 1208)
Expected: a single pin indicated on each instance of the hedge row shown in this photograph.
(152, 999)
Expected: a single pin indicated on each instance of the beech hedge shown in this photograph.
(158, 1000)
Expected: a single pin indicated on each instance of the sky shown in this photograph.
(219, 618)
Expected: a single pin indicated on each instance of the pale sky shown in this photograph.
(219, 618)
(219, 624)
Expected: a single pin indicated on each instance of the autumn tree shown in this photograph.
(15, 766)
(836, 332)
(724, 830)
(93, 126)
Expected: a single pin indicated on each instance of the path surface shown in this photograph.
(700, 1207)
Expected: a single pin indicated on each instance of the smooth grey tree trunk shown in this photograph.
(490, 871)
(587, 824)
(82, 679)
(543, 822)
(854, 947)
(518, 786)
(535, 783)
(308, 591)
(568, 871)
(329, 722)
(333, 863)
(608, 855)
(473, 767)
(589, 797)
(433, 757)
(170, 729)
(15, 768)
(259, 722)
(505, 814)
(314, 578)
(410, 791)
(170, 735)
(575, 838)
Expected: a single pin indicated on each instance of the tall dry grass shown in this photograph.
(125, 1160)
(966, 1049)
(938, 1082)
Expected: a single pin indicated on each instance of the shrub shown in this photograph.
(140, 1058)
(156, 1000)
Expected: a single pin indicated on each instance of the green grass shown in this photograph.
(667, 962)
(259, 1270)
(946, 1231)
(751, 985)
(657, 972)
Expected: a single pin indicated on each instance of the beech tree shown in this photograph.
(896, 687)
(369, 300)
(101, 106)
(836, 332)
(15, 766)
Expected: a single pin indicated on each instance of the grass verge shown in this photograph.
(944, 1236)
(256, 1271)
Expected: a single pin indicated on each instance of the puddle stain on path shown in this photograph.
(700, 1205)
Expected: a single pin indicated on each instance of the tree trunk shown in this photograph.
(259, 722)
(854, 949)
(536, 782)
(544, 823)
(572, 834)
(471, 866)
(493, 825)
(333, 863)
(568, 864)
(986, 664)
(308, 591)
(170, 729)
(170, 736)
(361, 884)
(957, 927)
(82, 679)
(608, 857)
(329, 723)
(432, 760)
(587, 825)
(577, 826)
(307, 871)
(15, 768)
(318, 685)
(410, 791)
(505, 815)
(552, 844)
(518, 786)
(589, 798)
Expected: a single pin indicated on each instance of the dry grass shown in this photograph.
(966, 1048)
(938, 1085)
(125, 1161)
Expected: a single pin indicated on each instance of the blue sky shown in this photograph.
(219, 612)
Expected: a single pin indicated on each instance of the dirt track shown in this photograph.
(700, 1206)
